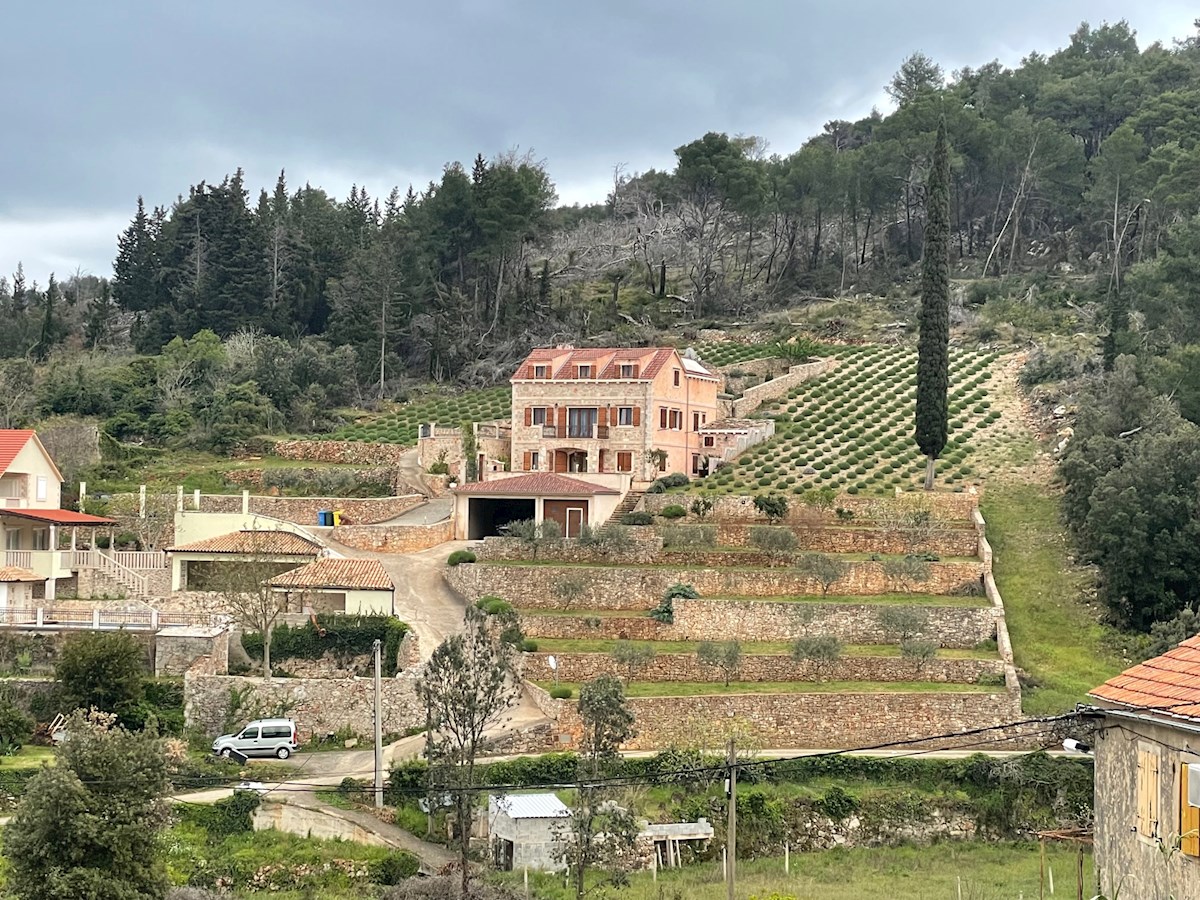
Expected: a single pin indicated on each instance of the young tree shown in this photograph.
(241, 588)
(933, 347)
(774, 540)
(820, 651)
(773, 506)
(920, 652)
(904, 623)
(469, 682)
(632, 656)
(725, 656)
(824, 569)
(905, 573)
(88, 828)
(599, 832)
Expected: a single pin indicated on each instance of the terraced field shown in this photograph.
(400, 426)
(728, 353)
(851, 430)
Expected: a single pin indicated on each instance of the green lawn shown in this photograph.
(749, 648)
(704, 688)
(1056, 638)
(28, 757)
(971, 871)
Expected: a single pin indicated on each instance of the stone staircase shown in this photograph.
(627, 505)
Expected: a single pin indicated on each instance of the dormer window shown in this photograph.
(584, 372)
(628, 370)
(539, 371)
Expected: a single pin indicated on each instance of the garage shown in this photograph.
(487, 515)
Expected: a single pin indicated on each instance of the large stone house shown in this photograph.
(634, 411)
(1147, 838)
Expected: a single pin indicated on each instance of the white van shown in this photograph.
(262, 737)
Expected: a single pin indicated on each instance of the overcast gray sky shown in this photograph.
(106, 101)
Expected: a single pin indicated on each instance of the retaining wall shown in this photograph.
(949, 508)
(347, 452)
(754, 397)
(394, 538)
(303, 510)
(850, 539)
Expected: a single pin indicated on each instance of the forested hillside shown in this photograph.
(1074, 203)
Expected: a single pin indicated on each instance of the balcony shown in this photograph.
(579, 432)
(46, 563)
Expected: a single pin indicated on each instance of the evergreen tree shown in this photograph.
(933, 348)
(97, 329)
(135, 269)
(18, 289)
(52, 329)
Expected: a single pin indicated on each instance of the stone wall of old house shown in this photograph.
(640, 588)
(319, 705)
(394, 538)
(358, 453)
(303, 510)
(749, 620)
(581, 667)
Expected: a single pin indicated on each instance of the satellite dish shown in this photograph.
(552, 663)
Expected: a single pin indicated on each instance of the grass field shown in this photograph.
(400, 426)
(967, 871)
(854, 427)
(749, 648)
(1057, 640)
(704, 688)
(28, 757)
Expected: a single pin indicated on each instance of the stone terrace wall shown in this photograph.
(835, 539)
(319, 705)
(303, 510)
(734, 507)
(822, 720)
(629, 588)
(754, 397)
(647, 545)
(580, 667)
(394, 538)
(749, 620)
(358, 453)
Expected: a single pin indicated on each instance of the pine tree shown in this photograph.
(98, 326)
(135, 268)
(51, 332)
(18, 289)
(933, 348)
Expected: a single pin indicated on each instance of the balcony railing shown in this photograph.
(582, 432)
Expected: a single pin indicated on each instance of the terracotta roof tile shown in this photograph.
(347, 574)
(16, 573)
(536, 484)
(1168, 684)
(650, 362)
(273, 543)
(11, 442)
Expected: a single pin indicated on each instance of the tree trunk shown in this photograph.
(930, 471)
(266, 653)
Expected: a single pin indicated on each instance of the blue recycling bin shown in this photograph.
(325, 517)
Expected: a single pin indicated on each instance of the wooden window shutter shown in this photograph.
(562, 420)
(525, 464)
(1189, 818)
(662, 417)
(637, 415)
(529, 415)
(603, 416)
(1142, 801)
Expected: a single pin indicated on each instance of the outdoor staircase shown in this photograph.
(627, 505)
(132, 582)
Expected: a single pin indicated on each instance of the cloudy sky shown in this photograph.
(106, 101)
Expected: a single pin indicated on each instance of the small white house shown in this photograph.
(353, 586)
(525, 829)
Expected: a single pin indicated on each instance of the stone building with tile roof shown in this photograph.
(352, 586)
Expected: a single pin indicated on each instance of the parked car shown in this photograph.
(262, 737)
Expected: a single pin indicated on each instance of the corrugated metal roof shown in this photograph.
(531, 806)
(1167, 684)
(347, 574)
(272, 543)
(535, 484)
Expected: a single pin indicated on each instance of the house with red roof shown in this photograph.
(1147, 753)
(30, 518)
(483, 508)
(636, 411)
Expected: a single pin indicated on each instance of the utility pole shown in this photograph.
(378, 727)
(731, 827)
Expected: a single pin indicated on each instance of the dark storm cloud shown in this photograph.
(107, 101)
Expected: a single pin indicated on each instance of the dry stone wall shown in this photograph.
(842, 539)
(754, 397)
(303, 510)
(950, 508)
(319, 705)
(358, 453)
(640, 588)
(646, 547)
(394, 538)
(764, 620)
(581, 667)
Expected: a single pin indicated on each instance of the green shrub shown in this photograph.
(689, 536)
(460, 556)
(528, 646)
(561, 693)
(637, 517)
(773, 540)
(394, 868)
(673, 511)
(15, 728)
(772, 506)
(101, 669)
(343, 636)
(494, 606)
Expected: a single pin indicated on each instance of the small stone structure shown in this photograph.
(178, 648)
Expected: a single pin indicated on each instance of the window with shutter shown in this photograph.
(535, 461)
(637, 415)
(662, 417)
(625, 415)
(539, 415)
(1147, 824)
(525, 467)
(1189, 815)
(528, 415)
(624, 461)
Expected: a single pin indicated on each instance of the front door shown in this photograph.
(574, 521)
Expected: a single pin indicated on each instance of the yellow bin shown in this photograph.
(337, 517)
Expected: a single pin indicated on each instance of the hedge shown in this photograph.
(340, 635)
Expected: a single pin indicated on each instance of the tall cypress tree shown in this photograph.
(933, 348)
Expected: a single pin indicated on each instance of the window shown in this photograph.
(624, 415)
(676, 374)
(539, 415)
(584, 371)
(676, 420)
(695, 421)
(276, 731)
(662, 464)
(662, 417)
(534, 460)
(624, 461)
(539, 371)
(41, 539)
(581, 423)
(627, 370)
(12, 540)
(1189, 808)
(41, 488)
(1147, 812)
(695, 463)
(250, 734)
(709, 441)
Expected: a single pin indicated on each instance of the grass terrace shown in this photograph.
(727, 353)
(732, 552)
(400, 425)
(709, 688)
(854, 426)
(749, 648)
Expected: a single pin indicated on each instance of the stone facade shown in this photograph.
(580, 667)
(640, 588)
(303, 510)
(754, 397)
(820, 719)
(319, 705)
(749, 620)
(394, 538)
(358, 453)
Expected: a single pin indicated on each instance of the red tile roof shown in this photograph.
(57, 516)
(11, 442)
(16, 573)
(536, 484)
(650, 362)
(346, 574)
(272, 543)
(1168, 684)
